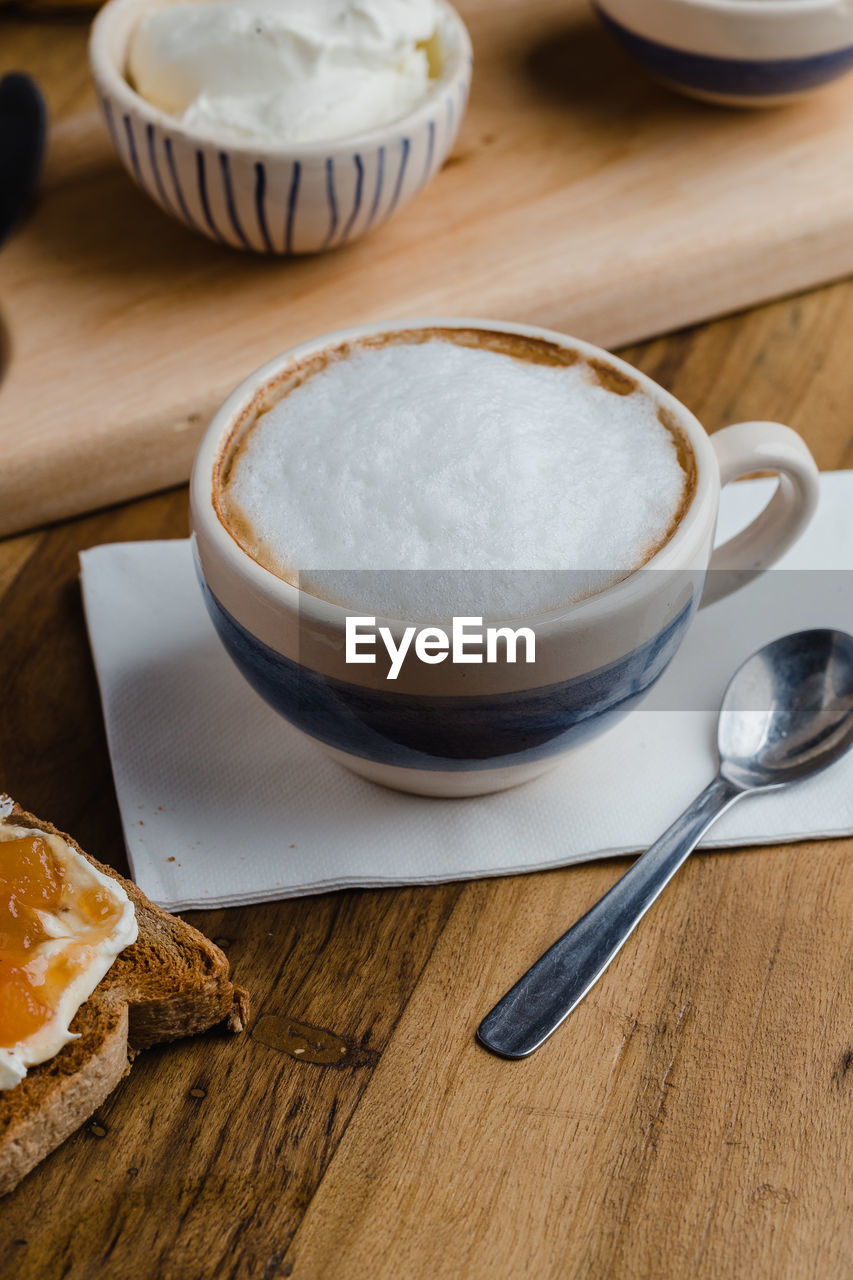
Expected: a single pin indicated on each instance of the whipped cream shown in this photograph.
(285, 71)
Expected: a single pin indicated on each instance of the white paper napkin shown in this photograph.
(223, 802)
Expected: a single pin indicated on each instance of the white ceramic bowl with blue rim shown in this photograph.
(465, 730)
(752, 53)
(288, 199)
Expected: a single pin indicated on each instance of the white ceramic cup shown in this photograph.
(465, 730)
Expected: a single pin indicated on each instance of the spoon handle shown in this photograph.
(559, 980)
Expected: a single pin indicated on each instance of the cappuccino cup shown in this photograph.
(361, 503)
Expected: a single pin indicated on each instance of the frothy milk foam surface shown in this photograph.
(436, 456)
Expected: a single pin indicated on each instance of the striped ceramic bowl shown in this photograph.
(288, 199)
(753, 53)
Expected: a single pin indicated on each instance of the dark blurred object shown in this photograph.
(51, 8)
(23, 132)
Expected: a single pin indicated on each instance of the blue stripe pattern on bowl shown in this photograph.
(287, 204)
(449, 734)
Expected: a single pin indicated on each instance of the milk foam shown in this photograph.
(512, 487)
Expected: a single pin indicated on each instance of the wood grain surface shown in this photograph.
(691, 1119)
(580, 195)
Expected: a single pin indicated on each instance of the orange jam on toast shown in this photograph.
(50, 927)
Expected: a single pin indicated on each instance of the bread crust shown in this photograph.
(171, 982)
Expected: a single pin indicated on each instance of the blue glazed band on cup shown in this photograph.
(731, 77)
(453, 734)
(736, 52)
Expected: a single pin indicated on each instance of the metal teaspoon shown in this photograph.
(787, 712)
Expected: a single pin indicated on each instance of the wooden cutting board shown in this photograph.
(580, 196)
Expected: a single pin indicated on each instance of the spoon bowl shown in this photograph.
(788, 710)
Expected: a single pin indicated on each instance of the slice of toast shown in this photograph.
(171, 982)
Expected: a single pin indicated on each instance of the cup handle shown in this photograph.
(762, 446)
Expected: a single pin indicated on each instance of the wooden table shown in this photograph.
(691, 1120)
